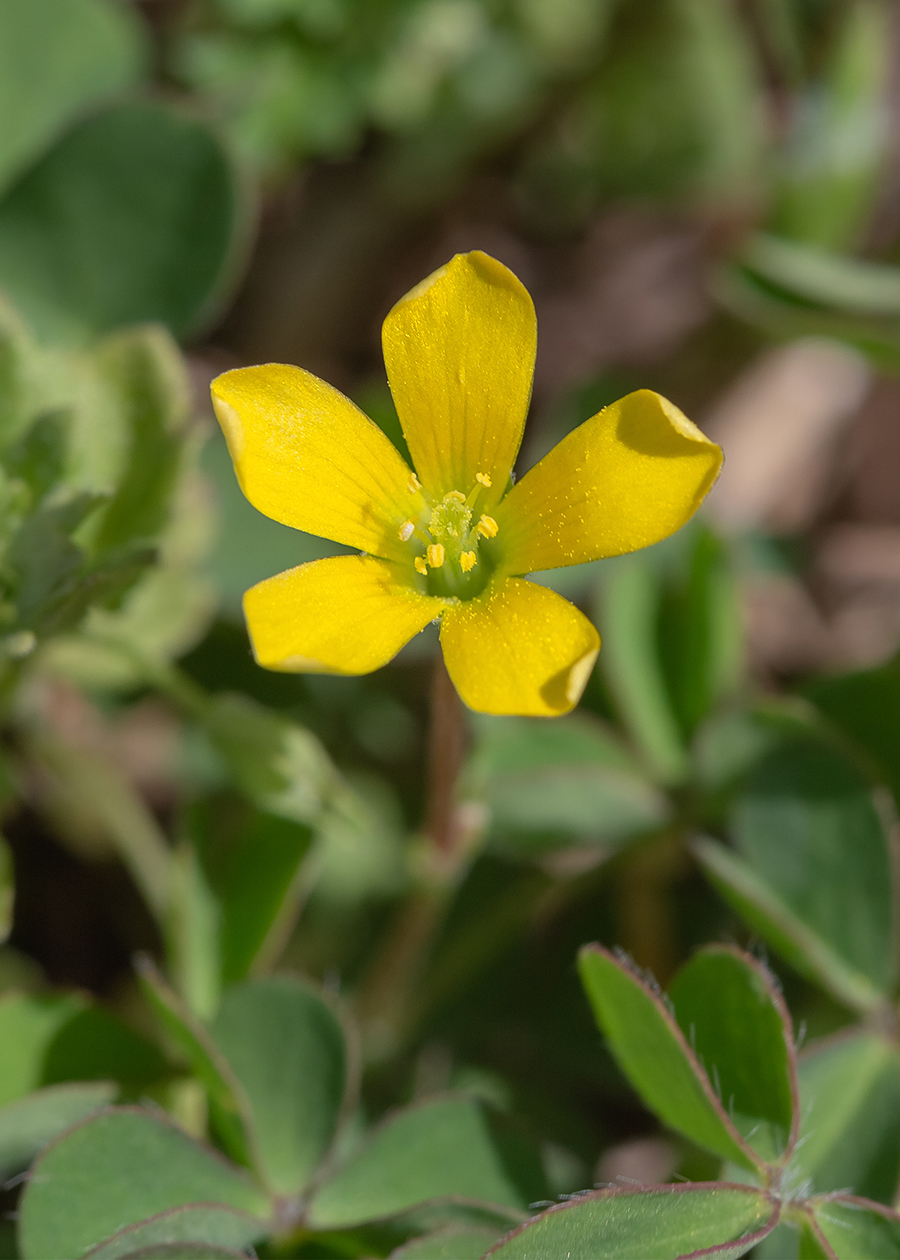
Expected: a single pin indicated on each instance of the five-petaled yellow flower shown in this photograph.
(452, 539)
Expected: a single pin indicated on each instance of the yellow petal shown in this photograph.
(459, 351)
(630, 476)
(344, 615)
(305, 455)
(518, 648)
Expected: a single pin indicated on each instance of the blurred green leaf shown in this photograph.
(282, 768)
(833, 159)
(856, 1229)
(866, 707)
(148, 377)
(59, 59)
(850, 1116)
(261, 891)
(807, 951)
(194, 933)
(628, 619)
(676, 105)
(286, 1047)
(196, 1232)
(699, 633)
(448, 1244)
(29, 1123)
(95, 1045)
(807, 823)
(735, 1020)
(813, 275)
(135, 216)
(39, 455)
(571, 777)
(192, 1038)
(118, 1169)
(654, 1224)
(28, 1025)
(650, 1049)
(439, 1149)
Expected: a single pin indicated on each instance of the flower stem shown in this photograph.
(385, 999)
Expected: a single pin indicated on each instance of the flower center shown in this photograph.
(448, 540)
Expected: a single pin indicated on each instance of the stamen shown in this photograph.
(413, 484)
(421, 566)
(435, 555)
(406, 531)
(456, 495)
(487, 527)
(467, 561)
(484, 480)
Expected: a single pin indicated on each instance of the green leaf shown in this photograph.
(850, 1116)
(261, 891)
(58, 59)
(134, 217)
(735, 1020)
(834, 159)
(632, 668)
(866, 707)
(117, 1169)
(807, 823)
(448, 1244)
(437, 1150)
(654, 1224)
(857, 1229)
(94, 1045)
(699, 633)
(39, 455)
(214, 1231)
(286, 1048)
(145, 370)
(571, 778)
(194, 934)
(230, 1107)
(651, 1050)
(281, 767)
(809, 274)
(28, 1025)
(29, 1123)
(767, 914)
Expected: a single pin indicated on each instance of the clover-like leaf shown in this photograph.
(28, 1124)
(651, 1050)
(734, 1017)
(135, 216)
(850, 1109)
(286, 1047)
(441, 1149)
(120, 1168)
(657, 1223)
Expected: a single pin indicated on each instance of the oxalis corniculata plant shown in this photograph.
(298, 1171)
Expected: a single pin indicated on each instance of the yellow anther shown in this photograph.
(407, 530)
(487, 527)
(421, 566)
(456, 495)
(467, 561)
(435, 555)
(413, 484)
(483, 480)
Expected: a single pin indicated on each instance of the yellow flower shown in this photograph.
(452, 539)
